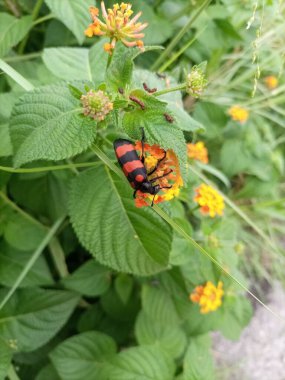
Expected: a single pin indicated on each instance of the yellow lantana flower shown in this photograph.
(209, 200)
(117, 25)
(238, 113)
(198, 152)
(208, 296)
(271, 82)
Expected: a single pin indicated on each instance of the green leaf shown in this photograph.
(83, 64)
(215, 172)
(91, 279)
(157, 129)
(124, 286)
(234, 157)
(48, 373)
(150, 331)
(141, 363)
(183, 120)
(73, 14)
(198, 362)
(47, 124)
(108, 224)
(5, 359)
(5, 141)
(12, 262)
(84, 356)
(33, 316)
(12, 31)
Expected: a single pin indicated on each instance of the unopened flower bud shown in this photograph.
(96, 104)
(196, 81)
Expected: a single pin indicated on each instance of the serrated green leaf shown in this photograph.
(108, 224)
(5, 358)
(150, 331)
(5, 141)
(33, 316)
(91, 279)
(83, 356)
(48, 124)
(198, 362)
(157, 129)
(182, 119)
(142, 363)
(70, 63)
(12, 31)
(12, 262)
(73, 14)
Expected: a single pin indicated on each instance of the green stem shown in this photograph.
(35, 13)
(24, 57)
(183, 12)
(182, 232)
(178, 37)
(180, 52)
(171, 89)
(43, 19)
(51, 233)
(12, 374)
(58, 257)
(48, 168)
(16, 76)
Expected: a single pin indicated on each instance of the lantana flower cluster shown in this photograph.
(209, 200)
(198, 152)
(208, 296)
(117, 25)
(238, 113)
(271, 82)
(153, 153)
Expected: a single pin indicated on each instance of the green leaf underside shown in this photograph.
(70, 63)
(83, 356)
(47, 124)
(12, 30)
(33, 316)
(73, 14)
(142, 363)
(5, 358)
(109, 225)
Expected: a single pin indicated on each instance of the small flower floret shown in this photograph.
(238, 113)
(208, 296)
(209, 200)
(117, 25)
(198, 152)
(96, 104)
(271, 82)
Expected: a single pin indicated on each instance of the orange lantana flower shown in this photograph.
(238, 113)
(117, 25)
(208, 296)
(153, 153)
(198, 152)
(271, 82)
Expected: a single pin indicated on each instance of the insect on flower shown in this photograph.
(135, 169)
(117, 25)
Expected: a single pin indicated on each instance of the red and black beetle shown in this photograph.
(134, 168)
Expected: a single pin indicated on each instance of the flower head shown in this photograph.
(170, 184)
(238, 113)
(208, 296)
(96, 104)
(198, 152)
(196, 81)
(271, 82)
(117, 25)
(209, 200)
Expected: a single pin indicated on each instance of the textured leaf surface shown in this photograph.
(109, 225)
(48, 373)
(47, 124)
(74, 14)
(91, 279)
(83, 356)
(5, 358)
(142, 363)
(198, 362)
(77, 63)
(33, 316)
(12, 262)
(12, 30)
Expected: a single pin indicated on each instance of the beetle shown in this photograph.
(134, 168)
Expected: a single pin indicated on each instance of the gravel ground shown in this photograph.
(260, 352)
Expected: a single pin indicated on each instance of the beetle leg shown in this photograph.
(157, 165)
(142, 142)
(153, 200)
(164, 175)
(134, 194)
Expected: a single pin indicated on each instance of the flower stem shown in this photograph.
(48, 168)
(171, 89)
(12, 374)
(23, 57)
(17, 77)
(181, 33)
